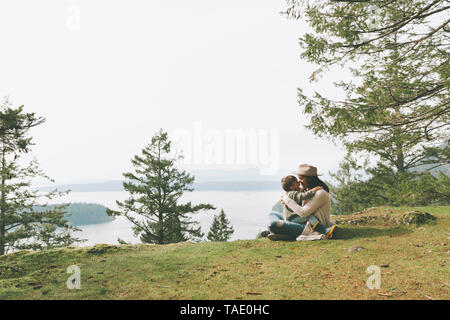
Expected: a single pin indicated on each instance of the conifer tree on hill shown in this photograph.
(396, 105)
(155, 187)
(221, 228)
(21, 225)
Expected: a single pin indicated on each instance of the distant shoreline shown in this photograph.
(82, 214)
(116, 186)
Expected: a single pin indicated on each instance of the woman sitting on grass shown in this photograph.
(319, 206)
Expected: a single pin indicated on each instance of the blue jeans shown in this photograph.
(312, 220)
(292, 228)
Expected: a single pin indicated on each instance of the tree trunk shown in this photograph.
(400, 158)
(160, 213)
(2, 206)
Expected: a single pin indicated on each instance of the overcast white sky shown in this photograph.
(133, 67)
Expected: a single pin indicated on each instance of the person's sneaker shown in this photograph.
(278, 237)
(264, 233)
(330, 231)
(315, 225)
(319, 228)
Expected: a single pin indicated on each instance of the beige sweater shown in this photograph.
(320, 205)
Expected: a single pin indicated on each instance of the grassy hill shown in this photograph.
(413, 259)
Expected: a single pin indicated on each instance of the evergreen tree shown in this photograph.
(221, 228)
(155, 188)
(396, 106)
(121, 241)
(359, 186)
(21, 225)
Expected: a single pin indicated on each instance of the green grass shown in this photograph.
(417, 256)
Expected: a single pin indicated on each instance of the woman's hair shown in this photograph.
(314, 181)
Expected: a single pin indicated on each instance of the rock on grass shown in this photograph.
(355, 249)
(416, 217)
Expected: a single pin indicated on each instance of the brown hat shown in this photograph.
(306, 170)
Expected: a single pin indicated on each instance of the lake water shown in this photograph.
(247, 212)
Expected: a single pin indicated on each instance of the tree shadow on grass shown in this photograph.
(355, 232)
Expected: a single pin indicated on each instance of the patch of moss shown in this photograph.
(101, 249)
(10, 271)
(371, 217)
(416, 217)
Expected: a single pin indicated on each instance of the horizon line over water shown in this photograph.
(247, 210)
(117, 186)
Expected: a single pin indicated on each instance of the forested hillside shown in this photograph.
(84, 213)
